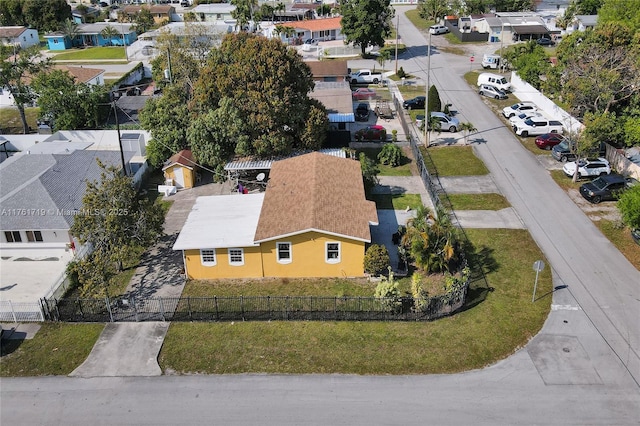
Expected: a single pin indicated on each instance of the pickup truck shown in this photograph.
(537, 126)
(365, 77)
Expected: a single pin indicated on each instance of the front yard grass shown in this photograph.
(404, 169)
(92, 53)
(458, 343)
(56, 349)
(396, 201)
(564, 181)
(620, 237)
(478, 201)
(420, 23)
(454, 161)
(10, 122)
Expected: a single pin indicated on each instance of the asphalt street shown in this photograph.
(582, 369)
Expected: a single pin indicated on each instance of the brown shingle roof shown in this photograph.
(11, 32)
(316, 192)
(328, 68)
(81, 74)
(315, 24)
(184, 158)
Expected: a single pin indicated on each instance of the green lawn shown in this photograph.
(92, 53)
(449, 345)
(478, 201)
(56, 349)
(455, 161)
(564, 181)
(414, 16)
(385, 170)
(10, 122)
(396, 201)
(620, 237)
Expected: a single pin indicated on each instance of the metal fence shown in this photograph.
(254, 308)
(20, 312)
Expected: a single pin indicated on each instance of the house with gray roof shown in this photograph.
(40, 196)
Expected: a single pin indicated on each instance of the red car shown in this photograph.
(549, 140)
(364, 93)
(372, 133)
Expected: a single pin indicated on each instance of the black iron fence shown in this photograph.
(255, 308)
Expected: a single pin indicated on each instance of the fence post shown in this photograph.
(132, 301)
(335, 308)
(215, 299)
(106, 300)
(13, 314)
(57, 311)
(162, 308)
(79, 306)
(189, 308)
(242, 306)
(269, 306)
(286, 308)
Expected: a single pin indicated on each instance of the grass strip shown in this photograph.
(396, 201)
(478, 201)
(455, 161)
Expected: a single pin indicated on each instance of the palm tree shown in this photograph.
(467, 128)
(383, 56)
(109, 33)
(70, 30)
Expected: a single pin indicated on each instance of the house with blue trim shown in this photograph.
(91, 35)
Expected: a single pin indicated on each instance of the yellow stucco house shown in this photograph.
(180, 169)
(312, 221)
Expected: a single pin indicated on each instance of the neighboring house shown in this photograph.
(583, 23)
(214, 12)
(161, 13)
(90, 76)
(91, 35)
(312, 221)
(19, 36)
(329, 70)
(194, 32)
(42, 193)
(319, 29)
(180, 170)
(337, 99)
(506, 27)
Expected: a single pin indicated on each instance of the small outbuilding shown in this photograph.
(180, 170)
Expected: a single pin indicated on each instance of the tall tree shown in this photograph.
(15, 75)
(366, 22)
(513, 5)
(110, 33)
(11, 13)
(269, 84)
(45, 14)
(625, 12)
(70, 30)
(143, 21)
(244, 12)
(433, 10)
(118, 222)
(71, 105)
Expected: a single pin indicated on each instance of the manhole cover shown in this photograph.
(566, 350)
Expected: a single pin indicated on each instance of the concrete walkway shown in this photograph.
(505, 218)
(125, 349)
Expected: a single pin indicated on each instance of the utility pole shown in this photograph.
(397, 35)
(427, 115)
(115, 111)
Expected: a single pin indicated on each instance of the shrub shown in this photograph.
(434, 100)
(369, 170)
(376, 259)
(387, 289)
(401, 73)
(391, 154)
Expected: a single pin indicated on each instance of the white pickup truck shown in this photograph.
(537, 126)
(365, 77)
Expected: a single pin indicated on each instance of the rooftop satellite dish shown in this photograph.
(260, 177)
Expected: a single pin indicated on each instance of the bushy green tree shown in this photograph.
(366, 22)
(629, 206)
(625, 12)
(391, 154)
(117, 223)
(376, 260)
(43, 15)
(369, 170)
(435, 104)
(387, 290)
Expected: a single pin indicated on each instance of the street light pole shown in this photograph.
(426, 98)
(397, 26)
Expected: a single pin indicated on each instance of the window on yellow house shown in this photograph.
(236, 256)
(208, 257)
(284, 252)
(332, 252)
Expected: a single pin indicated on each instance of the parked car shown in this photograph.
(415, 103)
(544, 41)
(518, 108)
(363, 93)
(372, 133)
(635, 234)
(588, 167)
(537, 126)
(362, 112)
(311, 42)
(446, 121)
(565, 151)
(492, 92)
(495, 80)
(513, 121)
(548, 140)
(438, 29)
(606, 188)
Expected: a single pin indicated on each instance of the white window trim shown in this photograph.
(326, 252)
(284, 261)
(208, 263)
(231, 262)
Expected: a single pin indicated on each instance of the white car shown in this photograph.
(518, 108)
(524, 116)
(446, 122)
(588, 168)
(438, 29)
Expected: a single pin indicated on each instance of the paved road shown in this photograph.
(581, 369)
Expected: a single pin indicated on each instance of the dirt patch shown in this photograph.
(605, 210)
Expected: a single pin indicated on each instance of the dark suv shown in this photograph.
(362, 112)
(565, 151)
(606, 188)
